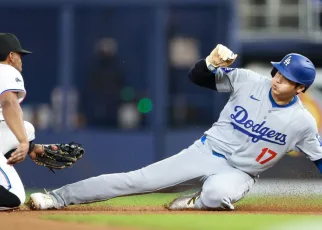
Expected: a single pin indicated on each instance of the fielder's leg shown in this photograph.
(12, 192)
(8, 141)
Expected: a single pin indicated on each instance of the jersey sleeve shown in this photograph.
(230, 79)
(310, 143)
(11, 80)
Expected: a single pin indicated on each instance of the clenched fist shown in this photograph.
(221, 56)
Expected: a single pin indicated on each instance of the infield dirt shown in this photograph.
(26, 219)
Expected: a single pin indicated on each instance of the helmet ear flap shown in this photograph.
(273, 72)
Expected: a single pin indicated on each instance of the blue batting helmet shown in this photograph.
(297, 68)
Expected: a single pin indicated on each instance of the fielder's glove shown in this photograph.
(59, 156)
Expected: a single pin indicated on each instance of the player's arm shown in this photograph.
(210, 72)
(202, 76)
(204, 71)
(13, 116)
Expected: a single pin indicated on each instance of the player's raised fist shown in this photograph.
(221, 56)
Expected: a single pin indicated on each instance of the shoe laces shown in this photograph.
(193, 200)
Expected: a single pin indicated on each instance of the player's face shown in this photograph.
(283, 88)
(16, 61)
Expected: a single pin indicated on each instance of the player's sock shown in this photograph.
(8, 199)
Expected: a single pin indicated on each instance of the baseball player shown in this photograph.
(262, 121)
(16, 135)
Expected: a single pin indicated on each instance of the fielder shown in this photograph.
(262, 121)
(16, 135)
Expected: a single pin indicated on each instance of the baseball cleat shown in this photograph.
(227, 205)
(41, 201)
(182, 203)
(190, 202)
(185, 202)
(8, 209)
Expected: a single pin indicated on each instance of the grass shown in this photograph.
(305, 201)
(193, 221)
(150, 200)
(201, 221)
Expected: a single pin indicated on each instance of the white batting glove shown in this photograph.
(221, 56)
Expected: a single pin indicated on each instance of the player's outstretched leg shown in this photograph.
(219, 192)
(195, 162)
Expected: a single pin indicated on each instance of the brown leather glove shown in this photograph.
(58, 156)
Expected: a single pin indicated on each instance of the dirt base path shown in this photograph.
(31, 220)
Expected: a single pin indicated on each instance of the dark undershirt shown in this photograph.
(200, 75)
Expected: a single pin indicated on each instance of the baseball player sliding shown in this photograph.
(262, 121)
(16, 135)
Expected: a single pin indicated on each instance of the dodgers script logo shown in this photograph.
(256, 131)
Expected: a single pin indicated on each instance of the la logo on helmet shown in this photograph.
(287, 60)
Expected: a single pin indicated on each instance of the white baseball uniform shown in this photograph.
(11, 80)
(251, 135)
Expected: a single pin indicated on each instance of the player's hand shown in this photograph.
(20, 154)
(221, 56)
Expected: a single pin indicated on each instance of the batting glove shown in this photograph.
(221, 56)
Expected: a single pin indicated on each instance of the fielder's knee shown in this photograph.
(19, 191)
(216, 198)
(30, 130)
(10, 199)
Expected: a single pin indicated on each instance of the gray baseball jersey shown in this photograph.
(253, 132)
